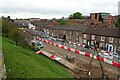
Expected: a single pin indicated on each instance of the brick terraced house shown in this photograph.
(110, 21)
(73, 32)
(40, 24)
(108, 38)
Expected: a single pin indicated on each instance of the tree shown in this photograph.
(11, 30)
(117, 23)
(71, 16)
(15, 35)
(5, 27)
(76, 15)
(63, 22)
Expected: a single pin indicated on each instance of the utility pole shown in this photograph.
(90, 64)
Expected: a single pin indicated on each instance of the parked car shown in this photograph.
(114, 54)
(104, 55)
(111, 57)
(88, 47)
(36, 45)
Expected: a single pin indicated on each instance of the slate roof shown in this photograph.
(101, 31)
(111, 32)
(69, 27)
(21, 22)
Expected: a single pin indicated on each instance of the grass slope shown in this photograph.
(24, 63)
(0, 44)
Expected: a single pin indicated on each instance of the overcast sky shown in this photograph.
(55, 8)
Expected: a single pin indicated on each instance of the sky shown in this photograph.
(55, 8)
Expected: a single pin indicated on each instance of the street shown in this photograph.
(82, 61)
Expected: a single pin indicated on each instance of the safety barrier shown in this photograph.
(82, 45)
(114, 63)
(67, 64)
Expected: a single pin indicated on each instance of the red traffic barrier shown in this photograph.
(116, 64)
(39, 52)
(62, 47)
(87, 54)
(53, 57)
(102, 59)
(77, 51)
(81, 45)
(45, 41)
(57, 45)
(52, 43)
(69, 49)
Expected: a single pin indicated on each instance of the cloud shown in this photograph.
(57, 7)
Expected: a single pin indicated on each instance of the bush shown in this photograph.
(11, 30)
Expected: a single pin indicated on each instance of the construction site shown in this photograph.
(80, 65)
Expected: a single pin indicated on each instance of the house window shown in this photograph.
(85, 36)
(77, 33)
(93, 37)
(110, 39)
(92, 42)
(101, 45)
(85, 41)
(77, 37)
(64, 32)
(102, 38)
(52, 34)
(95, 15)
(70, 37)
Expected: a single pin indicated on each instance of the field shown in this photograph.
(24, 63)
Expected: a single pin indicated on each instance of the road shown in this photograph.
(82, 61)
(80, 48)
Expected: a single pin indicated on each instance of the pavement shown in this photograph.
(2, 67)
(80, 48)
(81, 58)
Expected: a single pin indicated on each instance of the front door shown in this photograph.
(88, 43)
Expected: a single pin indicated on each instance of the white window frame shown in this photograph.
(76, 33)
(70, 32)
(77, 38)
(70, 37)
(64, 32)
(111, 39)
(92, 42)
(84, 41)
(85, 35)
(101, 44)
(93, 37)
(102, 38)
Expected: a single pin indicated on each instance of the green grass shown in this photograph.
(24, 63)
(0, 43)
